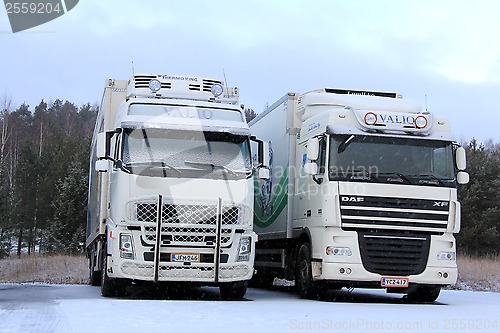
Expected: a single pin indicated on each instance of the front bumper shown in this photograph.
(202, 272)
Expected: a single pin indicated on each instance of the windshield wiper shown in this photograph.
(212, 165)
(154, 165)
(440, 182)
(344, 144)
(399, 174)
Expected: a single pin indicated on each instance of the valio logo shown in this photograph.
(28, 14)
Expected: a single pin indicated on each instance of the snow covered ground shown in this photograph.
(80, 308)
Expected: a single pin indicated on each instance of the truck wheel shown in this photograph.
(424, 294)
(109, 286)
(233, 290)
(306, 287)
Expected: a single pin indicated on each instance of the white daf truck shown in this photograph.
(362, 193)
(171, 186)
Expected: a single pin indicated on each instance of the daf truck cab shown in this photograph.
(362, 193)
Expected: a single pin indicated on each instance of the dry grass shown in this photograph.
(481, 274)
(57, 269)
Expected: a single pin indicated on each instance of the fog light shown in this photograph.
(154, 85)
(338, 251)
(217, 90)
(420, 122)
(126, 247)
(370, 118)
(343, 270)
(443, 255)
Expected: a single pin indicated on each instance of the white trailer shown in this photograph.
(171, 186)
(362, 193)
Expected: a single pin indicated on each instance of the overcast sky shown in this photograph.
(448, 51)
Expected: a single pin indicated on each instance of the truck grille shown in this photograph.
(394, 233)
(391, 253)
(192, 224)
(382, 213)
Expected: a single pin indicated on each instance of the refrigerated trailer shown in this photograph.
(171, 186)
(362, 193)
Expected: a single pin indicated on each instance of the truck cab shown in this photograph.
(372, 198)
(171, 190)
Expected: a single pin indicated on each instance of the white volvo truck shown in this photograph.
(171, 186)
(362, 193)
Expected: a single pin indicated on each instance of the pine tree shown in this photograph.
(66, 233)
(250, 114)
(480, 233)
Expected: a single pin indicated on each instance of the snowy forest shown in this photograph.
(44, 165)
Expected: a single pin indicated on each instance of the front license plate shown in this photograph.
(394, 282)
(185, 257)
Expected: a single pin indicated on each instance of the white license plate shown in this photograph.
(394, 282)
(185, 257)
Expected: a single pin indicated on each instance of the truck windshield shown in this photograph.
(391, 160)
(186, 154)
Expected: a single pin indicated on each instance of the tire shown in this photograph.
(306, 287)
(424, 294)
(109, 286)
(233, 290)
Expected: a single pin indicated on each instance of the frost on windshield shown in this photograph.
(186, 150)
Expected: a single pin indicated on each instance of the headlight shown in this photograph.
(126, 247)
(443, 255)
(338, 251)
(245, 249)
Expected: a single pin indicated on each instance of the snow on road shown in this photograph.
(80, 308)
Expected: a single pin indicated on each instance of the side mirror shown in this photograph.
(264, 162)
(263, 159)
(312, 149)
(461, 159)
(311, 168)
(101, 165)
(101, 145)
(463, 177)
(264, 173)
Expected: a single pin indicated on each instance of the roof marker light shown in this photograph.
(420, 122)
(154, 85)
(217, 90)
(370, 118)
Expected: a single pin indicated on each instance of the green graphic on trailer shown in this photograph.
(270, 200)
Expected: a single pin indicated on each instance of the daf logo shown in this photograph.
(440, 204)
(353, 199)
